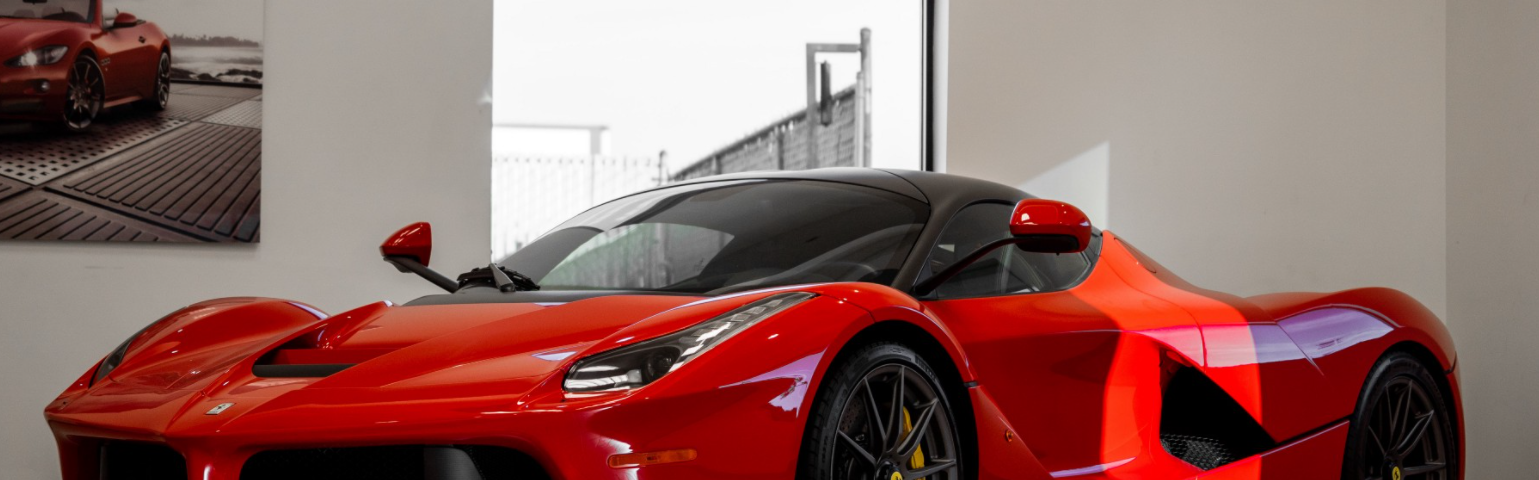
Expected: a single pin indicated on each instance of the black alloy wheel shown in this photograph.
(162, 84)
(1402, 428)
(83, 100)
(882, 414)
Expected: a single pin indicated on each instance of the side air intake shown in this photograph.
(1203, 426)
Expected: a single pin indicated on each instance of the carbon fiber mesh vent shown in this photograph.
(1204, 453)
(1202, 425)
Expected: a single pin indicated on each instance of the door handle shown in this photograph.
(141, 39)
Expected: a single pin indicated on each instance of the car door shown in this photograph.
(1071, 351)
(127, 58)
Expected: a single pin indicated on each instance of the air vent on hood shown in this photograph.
(314, 370)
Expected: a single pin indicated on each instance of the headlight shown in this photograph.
(642, 363)
(116, 357)
(48, 55)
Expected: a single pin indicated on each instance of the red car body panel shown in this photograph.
(128, 57)
(1065, 384)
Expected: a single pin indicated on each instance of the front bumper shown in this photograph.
(33, 93)
(739, 431)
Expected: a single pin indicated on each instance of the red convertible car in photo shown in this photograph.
(825, 324)
(62, 62)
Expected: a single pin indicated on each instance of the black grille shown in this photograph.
(1204, 453)
(1201, 424)
(141, 461)
(396, 462)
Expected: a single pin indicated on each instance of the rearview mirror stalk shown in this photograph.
(410, 264)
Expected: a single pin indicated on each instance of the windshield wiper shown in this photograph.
(497, 276)
(511, 280)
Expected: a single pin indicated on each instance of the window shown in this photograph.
(596, 99)
(718, 237)
(1006, 270)
(63, 10)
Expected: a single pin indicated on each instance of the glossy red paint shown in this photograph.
(1060, 384)
(1035, 216)
(415, 241)
(127, 53)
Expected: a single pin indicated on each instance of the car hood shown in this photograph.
(496, 352)
(17, 35)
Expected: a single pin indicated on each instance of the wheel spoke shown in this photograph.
(864, 455)
(873, 412)
(1413, 436)
(1376, 442)
(1397, 416)
(895, 416)
(911, 442)
(1423, 469)
(931, 469)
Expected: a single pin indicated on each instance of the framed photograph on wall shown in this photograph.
(131, 120)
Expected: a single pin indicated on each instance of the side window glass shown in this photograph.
(1004, 271)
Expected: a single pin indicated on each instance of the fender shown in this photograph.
(1378, 319)
(192, 345)
(761, 381)
(889, 304)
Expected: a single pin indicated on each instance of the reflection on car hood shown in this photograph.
(18, 35)
(405, 346)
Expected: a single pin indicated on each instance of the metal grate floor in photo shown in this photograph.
(190, 173)
(39, 216)
(244, 114)
(36, 158)
(242, 93)
(194, 107)
(202, 179)
(10, 187)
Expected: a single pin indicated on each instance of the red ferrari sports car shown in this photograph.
(61, 63)
(826, 324)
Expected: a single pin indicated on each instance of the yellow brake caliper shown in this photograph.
(917, 461)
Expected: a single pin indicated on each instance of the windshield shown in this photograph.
(716, 237)
(66, 10)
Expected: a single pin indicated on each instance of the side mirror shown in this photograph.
(409, 250)
(1049, 226)
(125, 19)
(415, 241)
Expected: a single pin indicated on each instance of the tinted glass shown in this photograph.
(65, 10)
(1006, 270)
(722, 236)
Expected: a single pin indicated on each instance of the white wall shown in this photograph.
(1251, 146)
(1493, 197)
(1312, 145)
(373, 121)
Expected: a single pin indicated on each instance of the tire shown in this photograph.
(84, 96)
(1403, 426)
(919, 440)
(161, 95)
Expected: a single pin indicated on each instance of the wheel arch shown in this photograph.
(1445, 380)
(1445, 384)
(940, 359)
